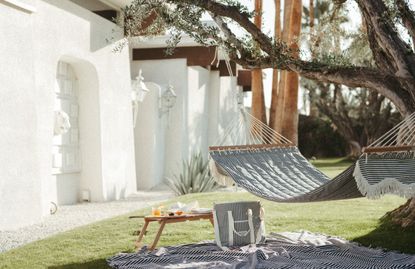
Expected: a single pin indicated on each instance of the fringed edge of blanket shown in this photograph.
(385, 186)
(220, 178)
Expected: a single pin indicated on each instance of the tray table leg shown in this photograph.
(162, 224)
(141, 235)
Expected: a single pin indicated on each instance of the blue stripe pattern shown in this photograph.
(272, 254)
(284, 175)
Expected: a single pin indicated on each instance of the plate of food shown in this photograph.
(175, 212)
(201, 210)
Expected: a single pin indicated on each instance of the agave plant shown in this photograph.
(195, 177)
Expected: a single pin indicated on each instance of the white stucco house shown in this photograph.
(56, 57)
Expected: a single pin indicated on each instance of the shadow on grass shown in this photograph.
(390, 237)
(95, 264)
(387, 236)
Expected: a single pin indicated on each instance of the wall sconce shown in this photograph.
(139, 92)
(167, 100)
(140, 89)
(240, 96)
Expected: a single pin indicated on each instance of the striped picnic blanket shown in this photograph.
(277, 252)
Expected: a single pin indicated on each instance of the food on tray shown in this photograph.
(201, 210)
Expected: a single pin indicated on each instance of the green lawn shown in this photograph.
(332, 167)
(89, 246)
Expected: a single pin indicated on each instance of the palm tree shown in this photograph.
(284, 112)
(275, 72)
(258, 100)
(290, 116)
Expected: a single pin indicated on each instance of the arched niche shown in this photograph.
(76, 154)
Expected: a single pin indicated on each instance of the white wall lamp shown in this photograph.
(139, 92)
(240, 96)
(167, 100)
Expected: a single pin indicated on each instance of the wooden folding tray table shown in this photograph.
(163, 220)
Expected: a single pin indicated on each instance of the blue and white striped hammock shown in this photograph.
(270, 166)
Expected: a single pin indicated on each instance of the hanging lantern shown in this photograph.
(140, 89)
(167, 100)
(139, 92)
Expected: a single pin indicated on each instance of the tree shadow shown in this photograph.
(390, 236)
(94, 264)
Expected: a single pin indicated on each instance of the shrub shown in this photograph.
(317, 137)
(195, 177)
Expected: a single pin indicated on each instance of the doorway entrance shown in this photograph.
(66, 161)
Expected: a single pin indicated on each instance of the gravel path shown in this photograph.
(72, 216)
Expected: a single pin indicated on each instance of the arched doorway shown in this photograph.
(66, 150)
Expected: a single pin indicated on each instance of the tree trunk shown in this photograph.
(404, 216)
(311, 11)
(279, 107)
(313, 108)
(290, 116)
(355, 149)
(258, 100)
(275, 72)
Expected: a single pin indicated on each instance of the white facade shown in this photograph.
(36, 37)
(58, 56)
(205, 103)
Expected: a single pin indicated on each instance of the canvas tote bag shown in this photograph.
(238, 223)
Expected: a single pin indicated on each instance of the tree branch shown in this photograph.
(408, 17)
(236, 15)
(396, 83)
(232, 40)
(364, 77)
(386, 37)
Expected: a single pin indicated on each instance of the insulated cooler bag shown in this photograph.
(238, 223)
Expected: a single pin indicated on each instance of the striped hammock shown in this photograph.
(270, 166)
(388, 164)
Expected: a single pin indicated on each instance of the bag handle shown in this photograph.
(231, 227)
(216, 227)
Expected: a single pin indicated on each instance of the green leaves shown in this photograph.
(195, 177)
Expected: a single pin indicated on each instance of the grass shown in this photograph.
(333, 166)
(89, 246)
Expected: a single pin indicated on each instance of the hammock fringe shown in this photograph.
(386, 186)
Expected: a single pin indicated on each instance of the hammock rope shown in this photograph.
(247, 132)
(402, 135)
(254, 132)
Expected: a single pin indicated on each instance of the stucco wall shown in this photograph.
(198, 109)
(20, 178)
(163, 73)
(150, 140)
(205, 105)
(61, 30)
(214, 107)
(227, 102)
